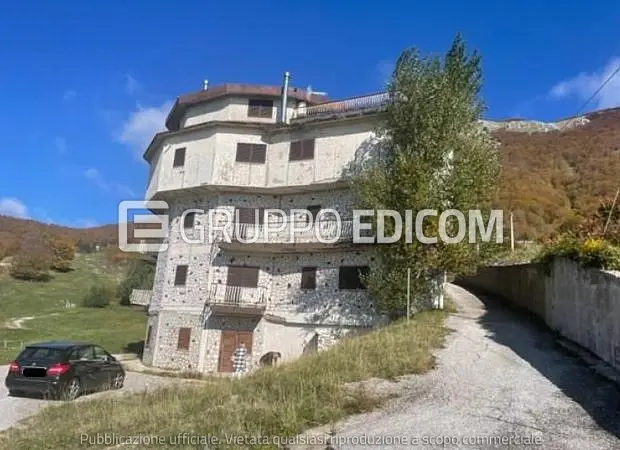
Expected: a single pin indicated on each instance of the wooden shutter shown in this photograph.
(242, 276)
(260, 108)
(308, 278)
(248, 215)
(189, 220)
(295, 151)
(180, 277)
(307, 149)
(243, 152)
(258, 153)
(184, 336)
(179, 157)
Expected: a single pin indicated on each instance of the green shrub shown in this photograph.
(99, 296)
(592, 252)
(140, 275)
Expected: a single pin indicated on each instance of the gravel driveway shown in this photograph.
(13, 409)
(499, 376)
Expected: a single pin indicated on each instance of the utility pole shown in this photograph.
(512, 232)
(611, 211)
(408, 292)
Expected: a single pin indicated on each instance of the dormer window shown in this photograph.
(260, 108)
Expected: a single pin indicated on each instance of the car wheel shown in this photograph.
(118, 381)
(72, 389)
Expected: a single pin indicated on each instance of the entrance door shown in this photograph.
(229, 341)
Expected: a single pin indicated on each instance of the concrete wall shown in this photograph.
(210, 156)
(581, 304)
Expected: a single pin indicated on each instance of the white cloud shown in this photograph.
(69, 94)
(95, 176)
(61, 145)
(584, 85)
(10, 206)
(132, 85)
(141, 125)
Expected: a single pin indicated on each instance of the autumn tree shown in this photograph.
(63, 253)
(432, 153)
(33, 259)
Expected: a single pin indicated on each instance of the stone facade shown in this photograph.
(280, 314)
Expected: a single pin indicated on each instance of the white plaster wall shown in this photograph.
(210, 156)
(231, 108)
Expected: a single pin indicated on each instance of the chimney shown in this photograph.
(205, 85)
(283, 107)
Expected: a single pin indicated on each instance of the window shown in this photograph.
(149, 334)
(52, 354)
(81, 354)
(260, 108)
(179, 157)
(188, 222)
(250, 215)
(251, 153)
(180, 277)
(314, 211)
(308, 278)
(301, 150)
(242, 276)
(349, 277)
(183, 341)
(100, 354)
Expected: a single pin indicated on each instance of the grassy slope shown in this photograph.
(46, 302)
(273, 402)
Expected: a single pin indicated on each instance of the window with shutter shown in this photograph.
(251, 153)
(184, 337)
(260, 108)
(308, 278)
(180, 277)
(250, 215)
(350, 277)
(179, 157)
(188, 222)
(314, 211)
(242, 276)
(301, 150)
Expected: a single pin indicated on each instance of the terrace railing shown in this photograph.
(355, 104)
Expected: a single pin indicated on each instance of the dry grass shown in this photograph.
(283, 401)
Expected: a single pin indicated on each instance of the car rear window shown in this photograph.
(42, 353)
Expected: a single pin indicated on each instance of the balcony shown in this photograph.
(289, 235)
(352, 106)
(237, 300)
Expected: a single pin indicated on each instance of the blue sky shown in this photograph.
(85, 85)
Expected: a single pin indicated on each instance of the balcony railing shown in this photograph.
(356, 104)
(222, 294)
(293, 232)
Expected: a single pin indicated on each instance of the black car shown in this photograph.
(63, 370)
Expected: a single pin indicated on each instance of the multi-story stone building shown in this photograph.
(237, 150)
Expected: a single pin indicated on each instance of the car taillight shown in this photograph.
(57, 369)
(14, 367)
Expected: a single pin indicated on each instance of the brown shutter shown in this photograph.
(189, 220)
(243, 152)
(308, 278)
(249, 215)
(242, 276)
(314, 211)
(260, 108)
(259, 153)
(295, 151)
(184, 336)
(180, 277)
(308, 149)
(179, 157)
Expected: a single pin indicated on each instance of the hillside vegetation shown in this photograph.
(559, 177)
(280, 402)
(34, 311)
